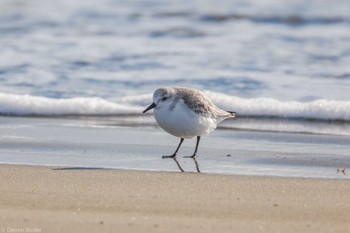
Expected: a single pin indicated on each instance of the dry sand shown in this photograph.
(46, 199)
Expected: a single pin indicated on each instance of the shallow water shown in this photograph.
(87, 144)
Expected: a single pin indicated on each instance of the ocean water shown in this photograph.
(88, 68)
(272, 59)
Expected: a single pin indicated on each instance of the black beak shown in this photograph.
(153, 105)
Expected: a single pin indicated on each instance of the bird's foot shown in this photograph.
(191, 157)
(168, 156)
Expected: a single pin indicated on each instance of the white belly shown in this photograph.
(183, 122)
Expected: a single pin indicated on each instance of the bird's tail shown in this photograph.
(233, 114)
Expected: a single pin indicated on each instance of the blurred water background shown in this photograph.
(284, 59)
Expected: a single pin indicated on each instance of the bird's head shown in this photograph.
(162, 97)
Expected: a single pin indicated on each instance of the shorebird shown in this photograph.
(186, 113)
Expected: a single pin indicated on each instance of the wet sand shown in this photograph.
(112, 143)
(48, 199)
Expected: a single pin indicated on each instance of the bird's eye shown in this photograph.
(164, 98)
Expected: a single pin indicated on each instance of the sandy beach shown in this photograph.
(48, 199)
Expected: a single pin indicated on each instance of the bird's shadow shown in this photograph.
(180, 167)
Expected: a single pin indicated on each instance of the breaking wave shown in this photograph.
(26, 105)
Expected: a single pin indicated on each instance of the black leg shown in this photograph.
(195, 151)
(177, 149)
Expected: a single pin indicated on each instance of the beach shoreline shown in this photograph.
(78, 154)
(56, 199)
(80, 175)
(105, 144)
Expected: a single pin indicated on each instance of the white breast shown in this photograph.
(183, 122)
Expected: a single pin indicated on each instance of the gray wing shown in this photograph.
(200, 103)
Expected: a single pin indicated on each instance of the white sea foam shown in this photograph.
(23, 105)
(267, 107)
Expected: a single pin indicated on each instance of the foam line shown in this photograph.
(24, 105)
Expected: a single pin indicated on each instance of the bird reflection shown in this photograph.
(178, 164)
(182, 170)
